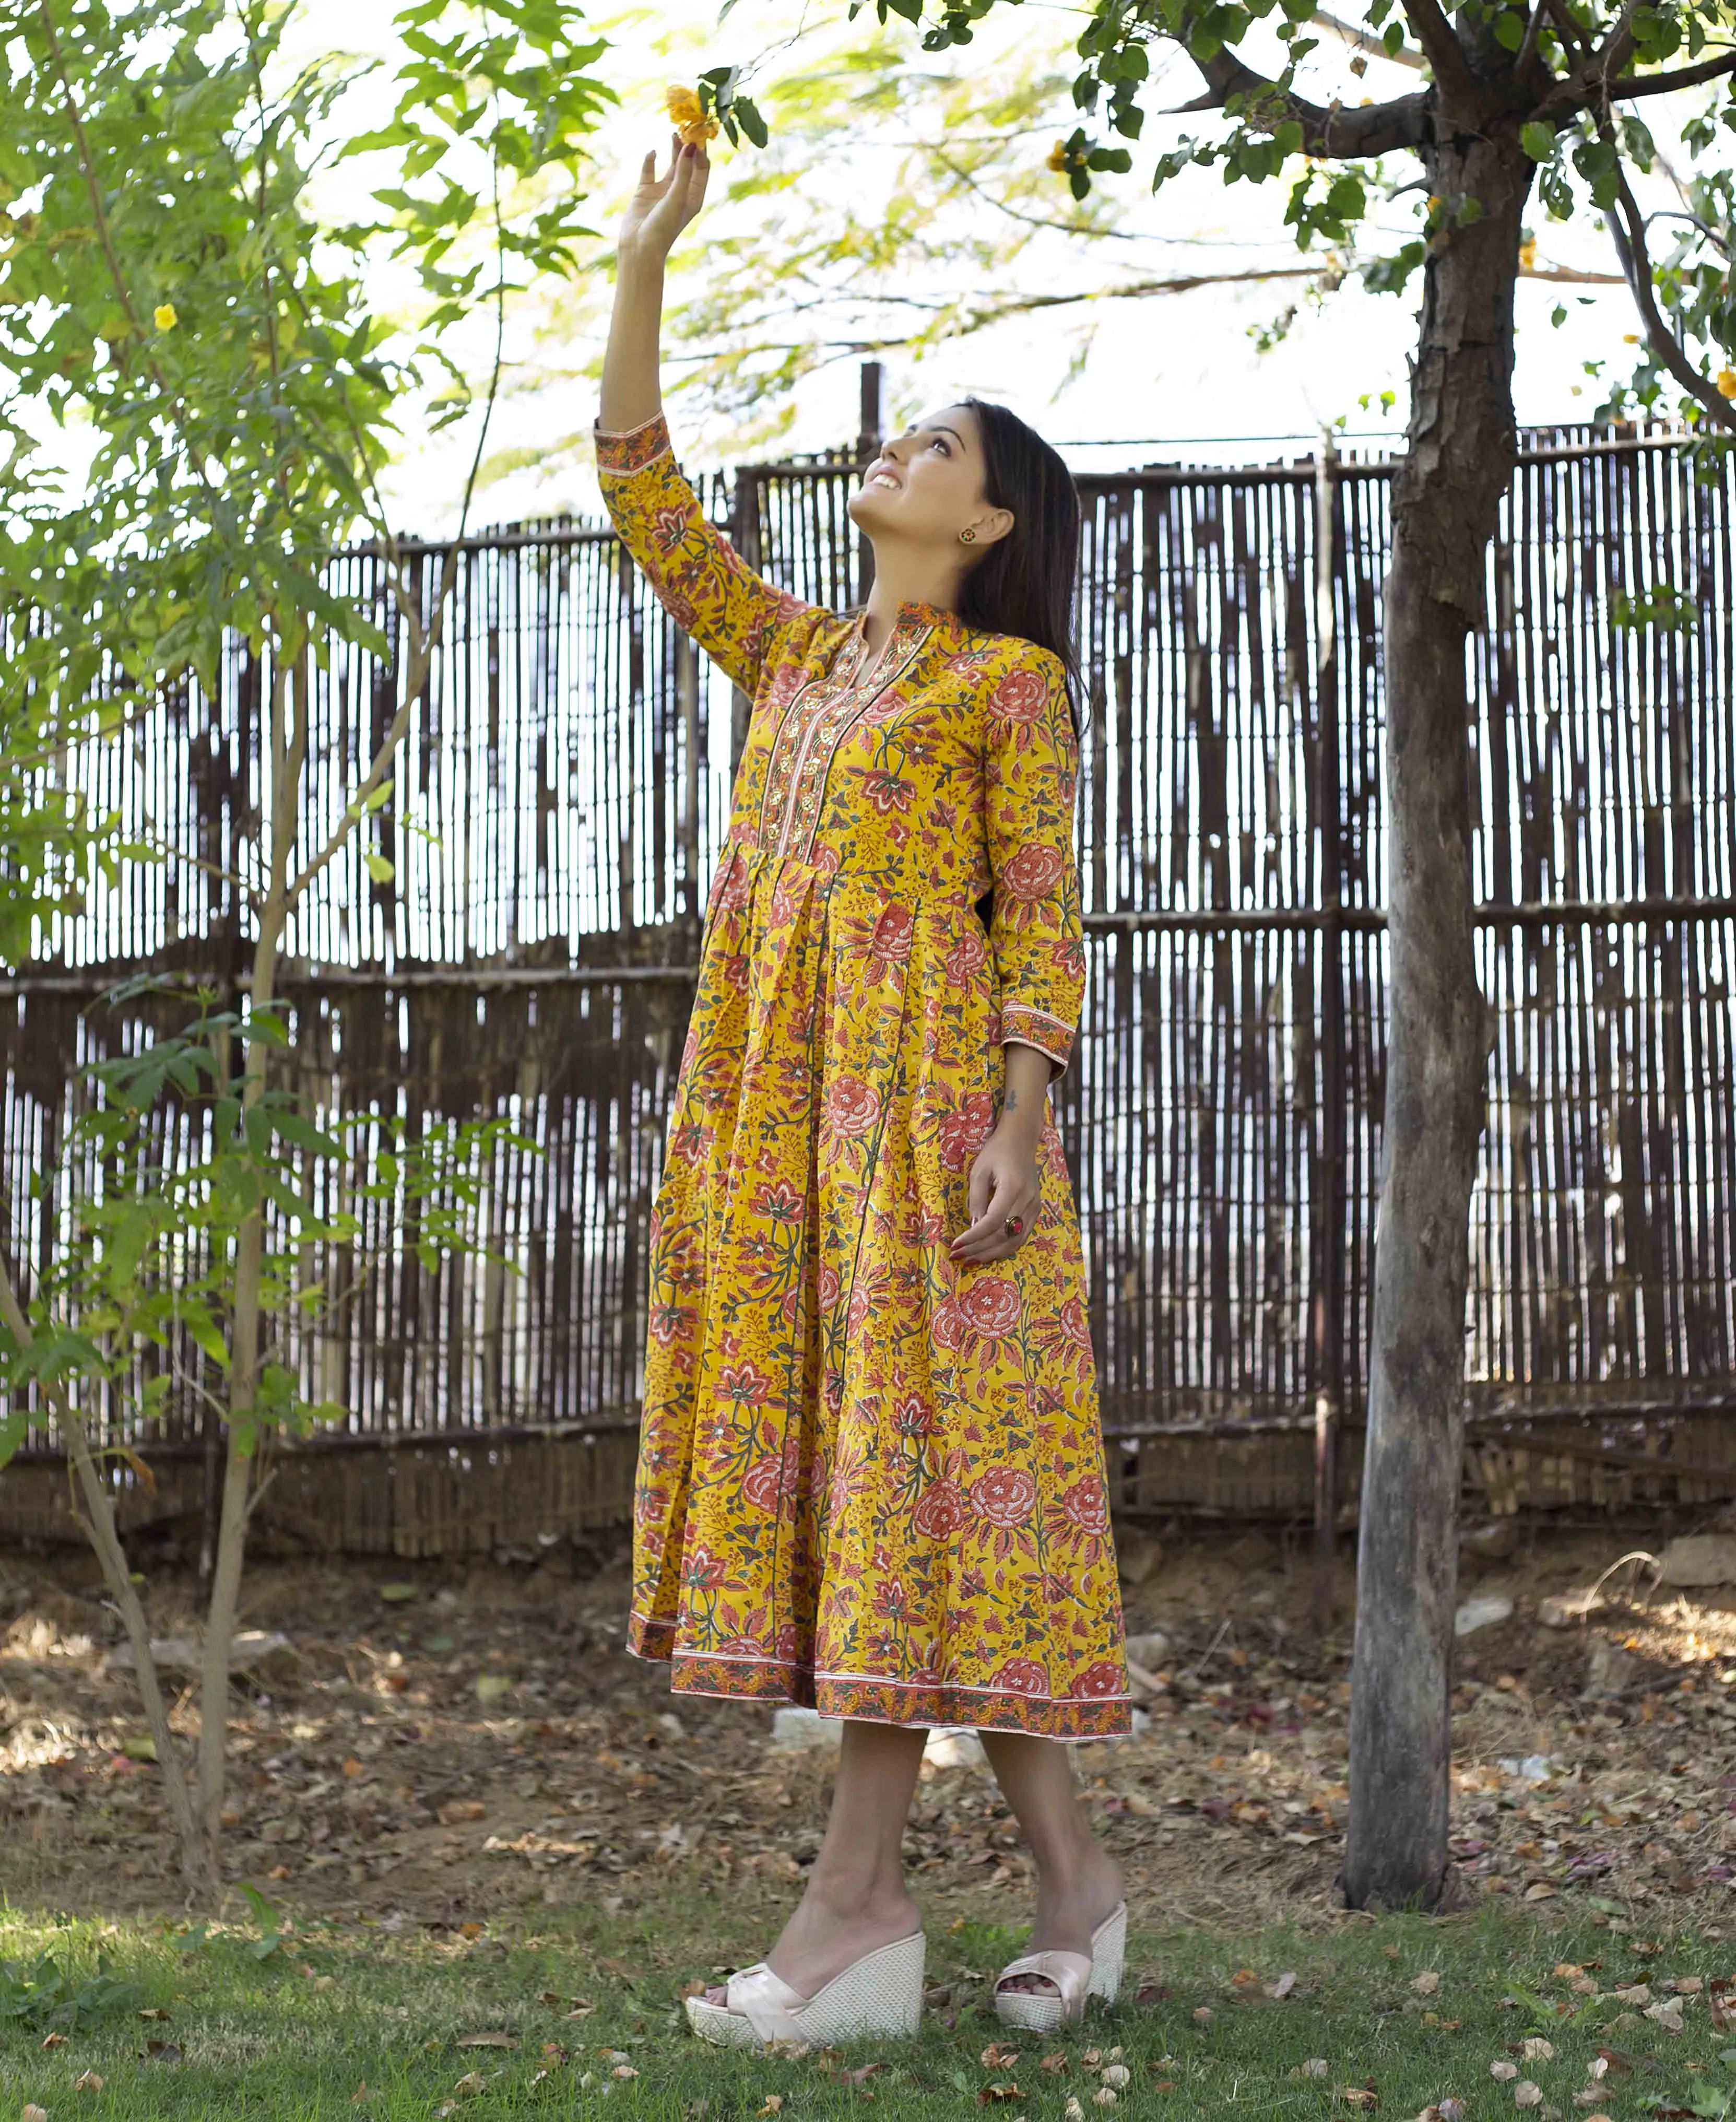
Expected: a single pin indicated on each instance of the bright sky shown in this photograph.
(1160, 372)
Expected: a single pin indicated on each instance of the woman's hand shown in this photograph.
(661, 208)
(1004, 1188)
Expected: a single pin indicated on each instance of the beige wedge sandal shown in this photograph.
(1074, 1979)
(880, 1993)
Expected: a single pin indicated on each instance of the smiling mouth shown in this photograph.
(881, 479)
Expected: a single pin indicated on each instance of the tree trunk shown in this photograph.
(287, 751)
(1445, 504)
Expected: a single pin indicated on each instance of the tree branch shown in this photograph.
(1362, 40)
(94, 191)
(196, 1865)
(1665, 84)
(1370, 129)
(1441, 46)
(1627, 229)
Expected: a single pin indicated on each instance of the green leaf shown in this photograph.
(1537, 139)
(379, 867)
(1510, 30)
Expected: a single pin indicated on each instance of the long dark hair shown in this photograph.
(1025, 583)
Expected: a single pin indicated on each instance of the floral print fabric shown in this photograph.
(871, 1480)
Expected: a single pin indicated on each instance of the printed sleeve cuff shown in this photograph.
(1022, 1025)
(619, 456)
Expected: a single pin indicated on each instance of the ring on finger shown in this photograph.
(1014, 1227)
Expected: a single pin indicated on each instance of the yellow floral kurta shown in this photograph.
(871, 1480)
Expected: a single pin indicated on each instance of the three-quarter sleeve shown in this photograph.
(1036, 934)
(699, 578)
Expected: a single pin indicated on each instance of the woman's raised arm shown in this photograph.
(656, 216)
(700, 579)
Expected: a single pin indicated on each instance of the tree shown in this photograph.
(171, 282)
(1512, 96)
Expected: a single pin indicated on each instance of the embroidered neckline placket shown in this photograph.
(866, 692)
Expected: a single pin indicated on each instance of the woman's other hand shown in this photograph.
(662, 206)
(1004, 1188)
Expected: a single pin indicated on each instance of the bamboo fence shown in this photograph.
(564, 787)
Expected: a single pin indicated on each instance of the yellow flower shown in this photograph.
(1435, 204)
(1629, 338)
(163, 316)
(1727, 382)
(1527, 253)
(688, 116)
(1057, 156)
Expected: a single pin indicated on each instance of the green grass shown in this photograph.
(296, 2034)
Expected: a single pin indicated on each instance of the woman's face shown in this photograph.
(926, 486)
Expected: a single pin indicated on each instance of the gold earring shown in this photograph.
(967, 537)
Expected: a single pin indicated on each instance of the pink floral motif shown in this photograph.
(1005, 1495)
(889, 793)
(1019, 697)
(769, 1480)
(1020, 1676)
(829, 1287)
(967, 958)
(782, 1201)
(668, 527)
(670, 1323)
(1032, 873)
(702, 1571)
(744, 1383)
(913, 1416)
(990, 1305)
(1086, 1505)
(893, 934)
(1107, 1677)
(949, 1328)
(942, 1510)
(964, 1129)
(852, 1108)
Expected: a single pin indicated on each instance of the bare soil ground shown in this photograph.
(442, 1746)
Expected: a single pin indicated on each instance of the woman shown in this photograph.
(872, 1474)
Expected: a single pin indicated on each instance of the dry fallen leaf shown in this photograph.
(1525, 2094)
(1534, 2049)
(457, 1810)
(1073, 2112)
(90, 2080)
(487, 2040)
(1105, 2095)
(774, 2103)
(1357, 2096)
(1426, 1984)
(1280, 1990)
(1503, 2070)
(989, 2095)
(470, 2084)
(996, 2057)
(1315, 2066)
(30, 2112)
(1116, 2074)
(1054, 2063)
